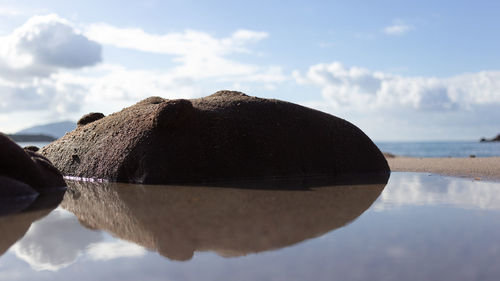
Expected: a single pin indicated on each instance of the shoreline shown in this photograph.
(485, 168)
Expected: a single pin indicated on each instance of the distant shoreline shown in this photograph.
(486, 168)
(31, 138)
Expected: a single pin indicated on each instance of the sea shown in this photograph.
(441, 148)
(416, 149)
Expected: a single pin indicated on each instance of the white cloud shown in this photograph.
(44, 45)
(388, 106)
(41, 94)
(397, 29)
(361, 89)
(189, 42)
(420, 189)
(106, 88)
(32, 54)
(104, 251)
(199, 55)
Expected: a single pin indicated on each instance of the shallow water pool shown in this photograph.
(417, 227)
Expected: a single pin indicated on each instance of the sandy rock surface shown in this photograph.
(225, 136)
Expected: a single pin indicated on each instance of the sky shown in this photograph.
(399, 70)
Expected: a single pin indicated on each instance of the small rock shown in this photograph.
(89, 118)
(389, 155)
(32, 148)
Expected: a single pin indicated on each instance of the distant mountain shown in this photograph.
(56, 130)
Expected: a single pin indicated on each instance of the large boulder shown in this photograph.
(25, 173)
(225, 136)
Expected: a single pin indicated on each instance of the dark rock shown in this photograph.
(89, 118)
(24, 169)
(225, 136)
(497, 138)
(32, 148)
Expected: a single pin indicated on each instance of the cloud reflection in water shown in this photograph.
(54, 242)
(414, 189)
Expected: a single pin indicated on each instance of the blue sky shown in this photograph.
(400, 70)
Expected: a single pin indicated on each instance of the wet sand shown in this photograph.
(487, 168)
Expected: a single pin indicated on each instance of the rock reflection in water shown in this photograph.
(175, 221)
(14, 226)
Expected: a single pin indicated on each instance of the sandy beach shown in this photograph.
(487, 168)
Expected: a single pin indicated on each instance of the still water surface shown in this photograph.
(418, 227)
